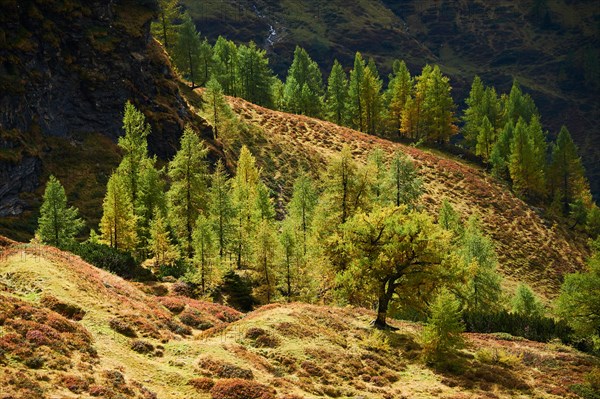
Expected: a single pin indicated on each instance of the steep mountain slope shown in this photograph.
(530, 247)
(66, 71)
(67, 330)
(552, 47)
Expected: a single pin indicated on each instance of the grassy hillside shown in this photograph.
(70, 330)
(552, 50)
(530, 247)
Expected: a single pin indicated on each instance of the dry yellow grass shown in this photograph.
(299, 350)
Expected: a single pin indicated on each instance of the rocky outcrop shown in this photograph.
(16, 178)
(66, 70)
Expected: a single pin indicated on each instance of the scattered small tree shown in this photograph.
(442, 334)
(58, 224)
(526, 303)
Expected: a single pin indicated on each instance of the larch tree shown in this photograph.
(254, 75)
(186, 196)
(473, 115)
(476, 251)
(371, 99)
(449, 219)
(221, 210)
(518, 105)
(355, 96)
(437, 112)
(301, 208)
(244, 195)
(579, 300)
(376, 162)
(265, 249)
(225, 63)
(58, 223)
(398, 92)
(566, 174)
(118, 223)
(442, 333)
(403, 184)
(337, 95)
(500, 156)
(205, 56)
(393, 252)
(161, 245)
(135, 147)
(305, 96)
(216, 107)
(204, 251)
(485, 139)
(187, 51)
(526, 165)
(164, 28)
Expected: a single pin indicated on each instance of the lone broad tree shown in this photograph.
(394, 252)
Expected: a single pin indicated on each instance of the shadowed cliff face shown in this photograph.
(66, 70)
(551, 47)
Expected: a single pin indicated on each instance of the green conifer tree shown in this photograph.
(58, 224)
(337, 95)
(186, 196)
(187, 51)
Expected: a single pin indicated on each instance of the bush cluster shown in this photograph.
(121, 263)
(535, 328)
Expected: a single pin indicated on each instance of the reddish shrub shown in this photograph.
(182, 288)
(122, 327)
(98, 390)
(225, 370)
(311, 368)
(67, 310)
(241, 389)
(73, 383)
(175, 305)
(194, 319)
(262, 338)
(37, 337)
(202, 384)
(141, 346)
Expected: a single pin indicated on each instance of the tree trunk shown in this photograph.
(385, 296)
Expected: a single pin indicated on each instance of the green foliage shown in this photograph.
(218, 110)
(442, 333)
(526, 303)
(112, 259)
(337, 95)
(355, 96)
(160, 243)
(187, 51)
(579, 300)
(371, 99)
(220, 209)
(528, 159)
(225, 63)
(255, 76)
(567, 181)
(304, 85)
(187, 195)
(402, 183)
(245, 200)
(236, 291)
(500, 155)
(58, 224)
(164, 28)
(204, 252)
(518, 105)
(535, 328)
(476, 251)
(392, 253)
(398, 92)
(118, 223)
(449, 219)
